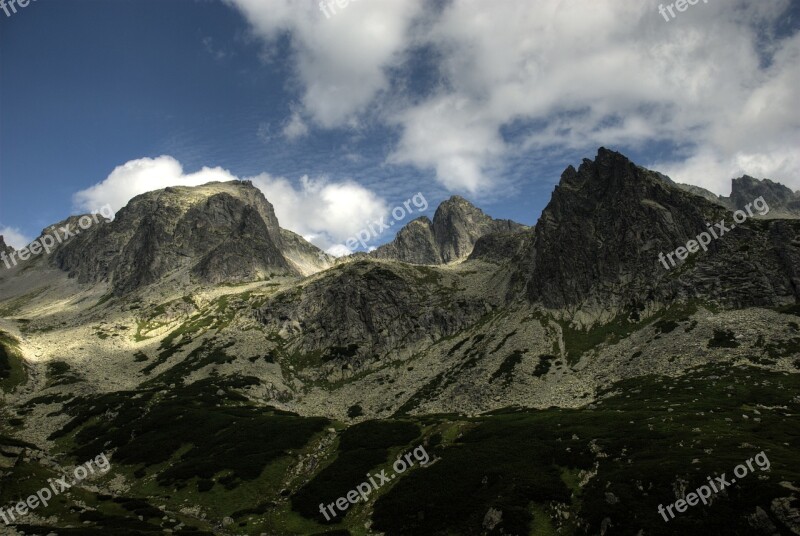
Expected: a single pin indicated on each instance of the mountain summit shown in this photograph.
(215, 233)
(451, 236)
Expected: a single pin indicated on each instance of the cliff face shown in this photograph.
(457, 225)
(415, 243)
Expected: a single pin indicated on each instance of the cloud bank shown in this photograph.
(715, 87)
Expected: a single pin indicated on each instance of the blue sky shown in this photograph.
(340, 118)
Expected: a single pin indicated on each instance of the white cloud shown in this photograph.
(714, 82)
(13, 237)
(295, 128)
(325, 213)
(714, 170)
(607, 73)
(340, 61)
(140, 176)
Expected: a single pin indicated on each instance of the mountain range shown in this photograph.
(231, 366)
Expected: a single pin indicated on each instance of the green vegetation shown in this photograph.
(723, 339)
(340, 352)
(543, 367)
(193, 445)
(790, 309)
(12, 368)
(580, 341)
(355, 411)
(515, 462)
(237, 440)
(13, 306)
(362, 448)
(60, 373)
(5, 360)
(103, 299)
(665, 326)
(784, 348)
(506, 369)
(426, 275)
(503, 342)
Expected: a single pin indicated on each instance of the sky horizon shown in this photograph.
(341, 114)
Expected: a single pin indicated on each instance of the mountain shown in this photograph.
(563, 378)
(596, 247)
(451, 236)
(782, 201)
(216, 233)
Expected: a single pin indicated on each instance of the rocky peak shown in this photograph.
(782, 201)
(595, 250)
(606, 223)
(217, 232)
(456, 227)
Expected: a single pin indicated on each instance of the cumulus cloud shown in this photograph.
(325, 213)
(140, 176)
(341, 62)
(717, 82)
(295, 128)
